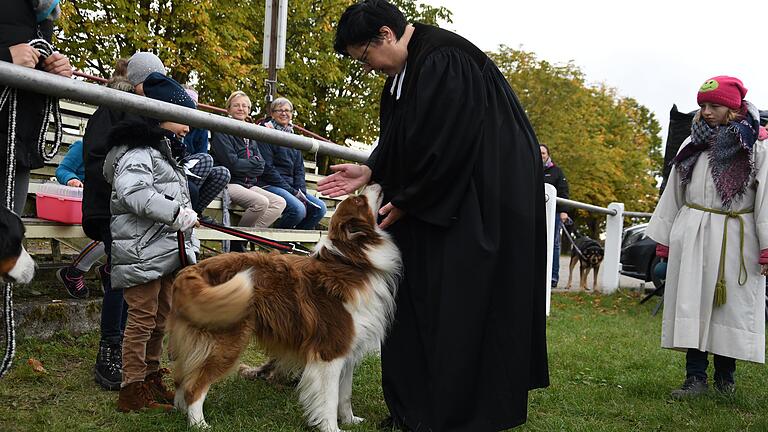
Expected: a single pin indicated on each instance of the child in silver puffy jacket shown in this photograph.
(152, 217)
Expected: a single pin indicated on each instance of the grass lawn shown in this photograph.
(607, 371)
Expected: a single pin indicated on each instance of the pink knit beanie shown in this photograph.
(722, 90)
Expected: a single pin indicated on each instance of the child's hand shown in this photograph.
(186, 219)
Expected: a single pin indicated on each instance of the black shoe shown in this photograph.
(692, 387)
(74, 281)
(108, 371)
(725, 387)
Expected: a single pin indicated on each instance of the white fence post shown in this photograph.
(611, 265)
(550, 193)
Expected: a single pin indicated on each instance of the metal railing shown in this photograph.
(55, 85)
(614, 230)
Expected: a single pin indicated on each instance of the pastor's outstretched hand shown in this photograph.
(347, 179)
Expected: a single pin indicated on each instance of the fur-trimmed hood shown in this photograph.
(137, 132)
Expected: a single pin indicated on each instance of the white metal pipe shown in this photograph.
(614, 228)
(589, 207)
(550, 194)
(67, 88)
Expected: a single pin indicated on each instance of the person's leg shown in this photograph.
(91, 253)
(696, 375)
(215, 182)
(109, 366)
(276, 205)
(725, 368)
(20, 189)
(315, 213)
(696, 363)
(556, 252)
(255, 205)
(295, 210)
(154, 375)
(139, 331)
(202, 167)
(143, 304)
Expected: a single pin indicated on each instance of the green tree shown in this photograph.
(608, 146)
(218, 44)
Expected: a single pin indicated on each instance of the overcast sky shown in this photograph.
(658, 52)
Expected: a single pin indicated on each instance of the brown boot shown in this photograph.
(136, 396)
(157, 388)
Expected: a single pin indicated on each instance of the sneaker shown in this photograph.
(108, 371)
(157, 387)
(136, 396)
(725, 387)
(692, 387)
(104, 277)
(74, 281)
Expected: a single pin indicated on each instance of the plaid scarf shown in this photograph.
(730, 154)
(278, 126)
(46, 9)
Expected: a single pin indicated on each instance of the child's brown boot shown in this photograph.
(157, 388)
(136, 396)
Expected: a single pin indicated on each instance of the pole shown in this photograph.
(272, 69)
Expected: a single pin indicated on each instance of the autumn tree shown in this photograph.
(608, 146)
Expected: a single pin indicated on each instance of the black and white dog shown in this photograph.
(15, 263)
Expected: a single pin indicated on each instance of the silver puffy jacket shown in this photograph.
(148, 188)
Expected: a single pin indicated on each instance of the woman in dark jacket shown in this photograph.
(284, 174)
(20, 23)
(245, 163)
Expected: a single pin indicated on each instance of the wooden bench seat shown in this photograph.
(45, 229)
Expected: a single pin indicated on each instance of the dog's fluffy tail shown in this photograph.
(215, 306)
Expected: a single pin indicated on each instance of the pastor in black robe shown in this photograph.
(458, 155)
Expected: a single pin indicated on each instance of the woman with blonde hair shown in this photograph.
(245, 163)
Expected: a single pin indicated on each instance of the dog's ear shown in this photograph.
(13, 229)
(349, 227)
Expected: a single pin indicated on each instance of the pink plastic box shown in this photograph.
(60, 203)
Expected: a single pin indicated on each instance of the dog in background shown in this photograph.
(317, 314)
(588, 253)
(15, 263)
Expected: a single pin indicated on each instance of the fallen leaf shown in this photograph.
(36, 365)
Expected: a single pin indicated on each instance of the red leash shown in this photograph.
(286, 247)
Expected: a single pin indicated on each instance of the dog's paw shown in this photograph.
(353, 420)
(202, 425)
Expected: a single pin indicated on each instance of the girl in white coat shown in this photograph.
(712, 224)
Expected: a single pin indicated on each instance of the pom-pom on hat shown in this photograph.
(722, 90)
(141, 64)
(160, 87)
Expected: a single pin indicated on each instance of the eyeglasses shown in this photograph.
(364, 58)
(282, 111)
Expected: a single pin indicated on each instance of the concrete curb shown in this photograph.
(42, 319)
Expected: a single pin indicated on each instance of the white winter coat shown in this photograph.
(737, 328)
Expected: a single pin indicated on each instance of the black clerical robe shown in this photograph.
(458, 155)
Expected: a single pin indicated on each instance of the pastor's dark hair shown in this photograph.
(361, 22)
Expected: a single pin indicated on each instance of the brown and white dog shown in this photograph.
(15, 263)
(320, 313)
